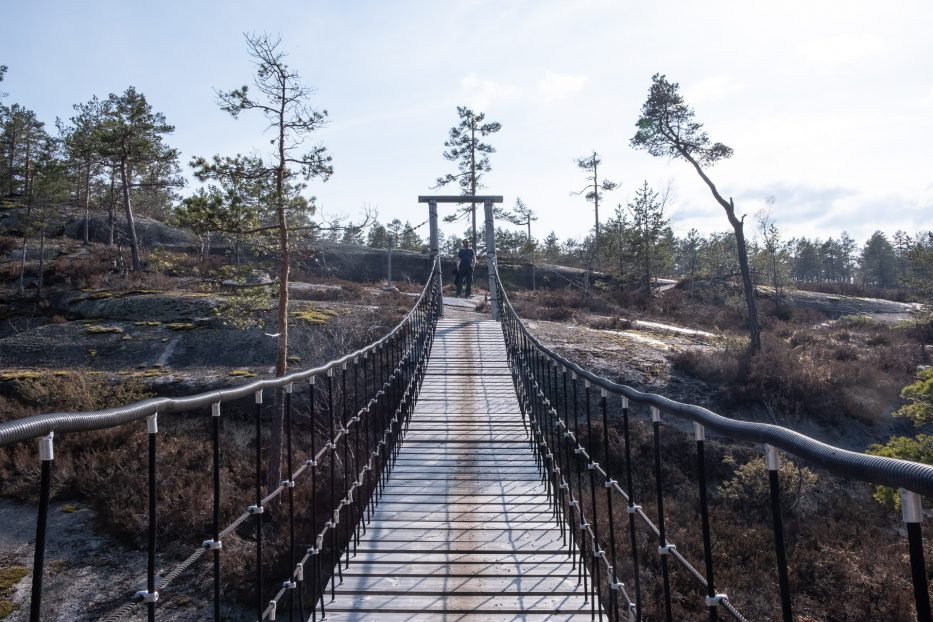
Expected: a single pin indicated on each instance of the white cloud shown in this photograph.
(841, 49)
(711, 89)
(481, 94)
(559, 86)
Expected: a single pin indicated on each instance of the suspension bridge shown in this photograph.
(456, 478)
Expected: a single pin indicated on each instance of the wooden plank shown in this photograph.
(455, 603)
(555, 584)
(361, 616)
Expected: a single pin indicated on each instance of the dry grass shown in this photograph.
(846, 556)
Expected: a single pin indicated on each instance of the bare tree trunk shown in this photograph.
(41, 263)
(130, 222)
(274, 475)
(87, 205)
(112, 210)
(22, 265)
(751, 303)
(26, 225)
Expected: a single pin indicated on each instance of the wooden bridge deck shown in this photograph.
(463, 531)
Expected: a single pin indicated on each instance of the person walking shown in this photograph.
(466, 261)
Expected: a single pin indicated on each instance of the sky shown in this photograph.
(827, 105)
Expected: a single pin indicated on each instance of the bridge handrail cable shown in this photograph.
(34, 426)
(881, 470)
(535, 370)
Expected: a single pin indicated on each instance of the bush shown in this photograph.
(748, 493)
(916, 449)
(725, 365)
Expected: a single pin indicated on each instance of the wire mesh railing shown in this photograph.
(364, 399)
(566, 406)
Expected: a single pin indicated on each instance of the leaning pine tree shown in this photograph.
(666, 128)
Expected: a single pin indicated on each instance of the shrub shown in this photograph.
(723, 365)
(747, 492)
(916, 449)
(919, 396)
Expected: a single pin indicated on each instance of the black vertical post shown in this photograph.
(345, 436)
(576, 434)
(46, 455)
(572, 517)
(358, 419)
(594, 545)
(257, 509)
(913, 516)
(152, 426)
(316, 591)
(663, 546)
(774, 465)
(333, 482)
(632, 508)
(699, 434)
(613, 579)
(290, 584)
(559, 450)
(215, 519)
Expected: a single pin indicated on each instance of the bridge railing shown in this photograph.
(550, 392)
(349, 464)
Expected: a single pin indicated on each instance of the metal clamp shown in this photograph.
(300, 572)
(633, 509)
(272, 609)
(609, 483)
(147, 597)
(592, 466)
(667, 549)
(46, 447)
(584, 526)
(311, 463)
(212, 545)
(152, 423)
(715, 601)
(617, 586)
(255, 509)
(577, 450)
(287, 483)
(599, 554)
(215, 409)
(289, 585)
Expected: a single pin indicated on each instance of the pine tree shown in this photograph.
(666, 127)
(593, 191)
(648, 231)
(132, 137)
(285, 101)
(82, 142)
(464, 146)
